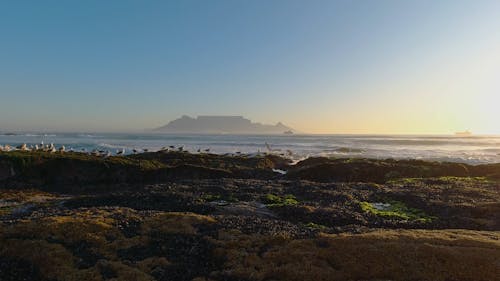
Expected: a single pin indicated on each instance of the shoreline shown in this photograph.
(182, 216)
(475, 150)
(293, 158)
(152, 167)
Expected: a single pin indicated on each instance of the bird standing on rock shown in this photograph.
(23, 147)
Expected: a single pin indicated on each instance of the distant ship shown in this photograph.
(463, 134)
(289, 132)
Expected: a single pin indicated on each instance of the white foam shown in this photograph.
(474, 150)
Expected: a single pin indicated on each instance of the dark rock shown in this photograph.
(6, 170)
(369, 170)
(12, 269)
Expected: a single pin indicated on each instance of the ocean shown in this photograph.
(472, 149)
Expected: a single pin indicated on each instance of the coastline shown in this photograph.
(471, 150)
(202, 216)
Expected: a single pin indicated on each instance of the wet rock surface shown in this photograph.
(253, 226)
(18, 270)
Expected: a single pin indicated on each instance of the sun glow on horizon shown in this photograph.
(377, 67)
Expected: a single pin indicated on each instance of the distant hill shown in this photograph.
(221, 125)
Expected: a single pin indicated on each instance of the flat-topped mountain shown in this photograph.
(221, 125)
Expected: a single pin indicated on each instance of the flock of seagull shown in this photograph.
(37, 147)
(62, 149)
(51, 148)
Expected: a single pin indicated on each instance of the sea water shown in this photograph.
(472, 149)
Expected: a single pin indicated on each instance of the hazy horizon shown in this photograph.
(148, 131)
(155, 131)
(320, 67)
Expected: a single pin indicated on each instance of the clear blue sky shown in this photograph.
(423, 66)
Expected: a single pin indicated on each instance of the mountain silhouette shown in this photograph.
(221, 125)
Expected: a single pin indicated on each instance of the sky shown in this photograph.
(319, 66)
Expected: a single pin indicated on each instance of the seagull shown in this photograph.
(121, 152)
(268, 147)
(146, 150)
(62, 149)
(53, 150)
(198, 150)
(181, 148)
(134, 151)
(23, 147)
(207, 150)
(171, 146)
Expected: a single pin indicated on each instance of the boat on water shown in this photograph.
(289, 132)
(463, 134)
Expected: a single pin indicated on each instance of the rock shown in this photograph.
(6, 170)
(370, 170)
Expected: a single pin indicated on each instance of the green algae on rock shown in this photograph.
(395, 210)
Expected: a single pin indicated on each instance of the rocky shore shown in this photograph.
(182, 216)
